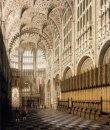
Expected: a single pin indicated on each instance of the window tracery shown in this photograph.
(107, 56)
(27, 60)
(84, 26)
(67, 36)
(104, 20)
(14, 59)
(86, 65)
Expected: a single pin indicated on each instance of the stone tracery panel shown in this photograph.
(107, 56)
(86, 65)
(67, 73)
(103, 22)
(84, 27)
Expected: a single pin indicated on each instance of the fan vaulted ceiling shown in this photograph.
(32, 22)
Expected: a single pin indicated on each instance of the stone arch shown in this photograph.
(105, 51)
(67, 73)
(86, 63)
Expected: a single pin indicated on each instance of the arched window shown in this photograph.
(67, 26)
(14, 60)
(28, 60)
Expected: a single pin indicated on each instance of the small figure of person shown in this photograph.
(17, 115)
(25, 111)
(24, 114)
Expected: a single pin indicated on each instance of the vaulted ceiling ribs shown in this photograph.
(37, 17)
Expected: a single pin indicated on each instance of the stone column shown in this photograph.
(20, 64)
(52, 82)
(34, 71)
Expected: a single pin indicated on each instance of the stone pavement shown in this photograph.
(46, 119)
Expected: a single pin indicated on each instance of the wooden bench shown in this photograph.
(83, 113)
(63, 106)
(87, 109)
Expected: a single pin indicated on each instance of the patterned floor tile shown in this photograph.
(45, 119)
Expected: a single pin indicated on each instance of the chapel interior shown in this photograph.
(55, 57)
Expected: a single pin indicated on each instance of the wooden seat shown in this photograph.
(93, 113)
(97, 114)
(89, 109)
(83, 113)
(88, 113)
(79, 112)
(76, 110)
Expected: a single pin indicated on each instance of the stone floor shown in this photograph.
(45, 119)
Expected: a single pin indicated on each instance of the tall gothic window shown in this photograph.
(67, 36)
(67, 27)
(84, 26)
(27, 60)
(14, 60)
(104, 21)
